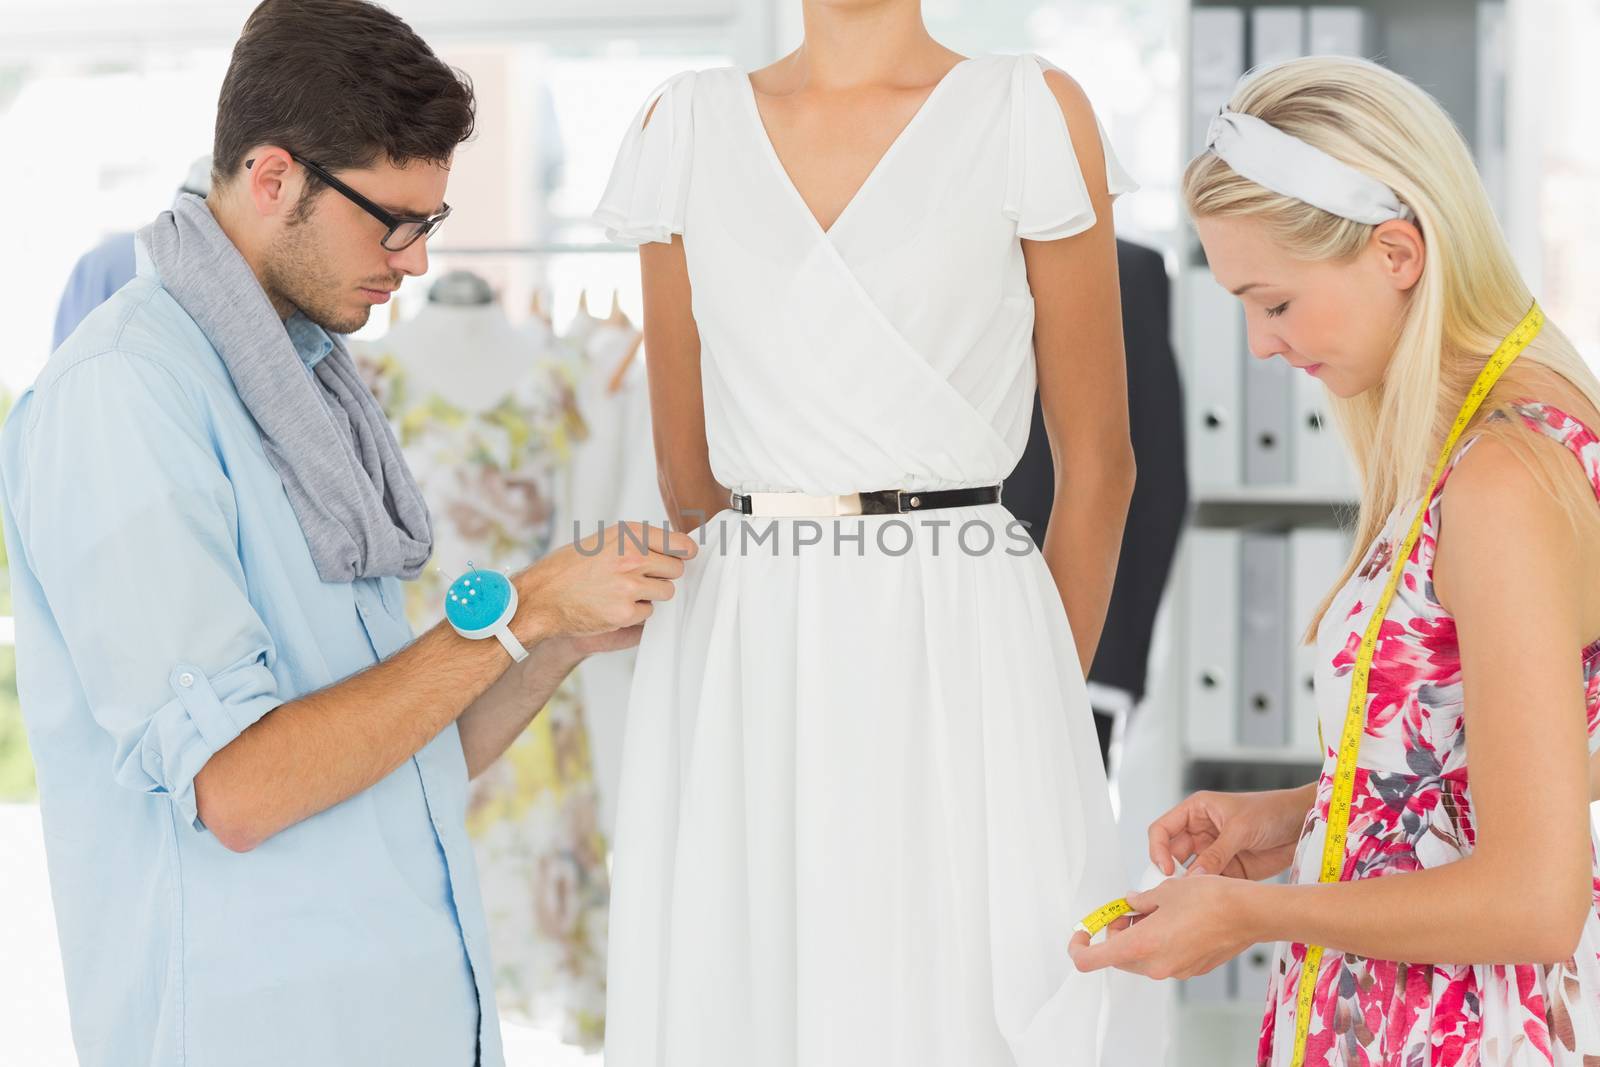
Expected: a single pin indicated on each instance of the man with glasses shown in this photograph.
(252, 778)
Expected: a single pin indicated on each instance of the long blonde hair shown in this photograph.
(1469, 297)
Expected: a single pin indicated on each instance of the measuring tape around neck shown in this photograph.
(1338, 823)
(1344, 778)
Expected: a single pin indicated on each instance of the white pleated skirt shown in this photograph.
(861, 806)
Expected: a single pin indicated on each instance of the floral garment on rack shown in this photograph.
(491, 479)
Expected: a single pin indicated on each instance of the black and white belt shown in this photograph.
(874, 502)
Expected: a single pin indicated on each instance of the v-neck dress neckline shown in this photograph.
(758, 128)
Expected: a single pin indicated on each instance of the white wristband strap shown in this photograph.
(511, 644)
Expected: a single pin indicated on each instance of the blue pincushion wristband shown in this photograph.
(481, 604)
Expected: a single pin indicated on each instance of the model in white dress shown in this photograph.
(862, 804)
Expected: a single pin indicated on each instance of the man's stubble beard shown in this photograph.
(295, 272)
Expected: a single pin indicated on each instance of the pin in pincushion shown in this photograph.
(479, 601)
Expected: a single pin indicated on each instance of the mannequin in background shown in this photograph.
(487, 425)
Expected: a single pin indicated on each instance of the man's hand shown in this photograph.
(318, 750)
(591, 596)
(600, 583)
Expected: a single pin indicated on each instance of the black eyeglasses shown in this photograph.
(404, 230)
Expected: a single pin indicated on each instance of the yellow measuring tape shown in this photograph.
(1333, 849)
(1104, 916)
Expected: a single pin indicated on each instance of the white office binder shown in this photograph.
(1255, 971)
(1316, 557)
(1337, 31)
(1214, 352)
(1490, 143)
(1211, 619)
(1214, 987)
(1268, 399)
(1277, 34)
(1263, 707)
(1320, 459)
(1216, 62)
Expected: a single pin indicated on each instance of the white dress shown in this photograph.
(862, 804)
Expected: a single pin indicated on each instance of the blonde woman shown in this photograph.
(1340, 204)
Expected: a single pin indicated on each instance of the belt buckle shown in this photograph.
(908, 500)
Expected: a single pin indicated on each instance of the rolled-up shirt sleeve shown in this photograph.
(130, 524)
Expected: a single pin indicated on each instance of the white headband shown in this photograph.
(1291, 167)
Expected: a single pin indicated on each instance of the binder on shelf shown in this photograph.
(1211, 639)
(1315, 558)
(1214, 987)
(1277, 34)
(1337, 31)
(1319, 457)
(1490, 143)
(1214, 351)
(1268, 399)
(1263, 654)
(1216, 62)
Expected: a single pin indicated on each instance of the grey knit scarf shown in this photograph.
(358, 505)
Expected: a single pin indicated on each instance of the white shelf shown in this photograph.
(1226, 1011)
(1273, 495)
(1275, 756)
(1225, 1032)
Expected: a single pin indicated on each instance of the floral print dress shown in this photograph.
(1412, 809)
(492, 479)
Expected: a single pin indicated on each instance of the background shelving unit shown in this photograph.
(1274, 497)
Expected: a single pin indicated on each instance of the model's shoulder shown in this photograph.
(1069, 94)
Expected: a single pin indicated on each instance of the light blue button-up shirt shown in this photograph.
(165, 599)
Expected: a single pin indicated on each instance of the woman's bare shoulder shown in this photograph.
(1518, 489)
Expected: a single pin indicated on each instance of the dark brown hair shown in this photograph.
(342, 83)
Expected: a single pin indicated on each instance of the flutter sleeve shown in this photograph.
(1045, 191)
(645, 197)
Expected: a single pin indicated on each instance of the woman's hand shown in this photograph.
(1184, 927)
(1240, 835)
